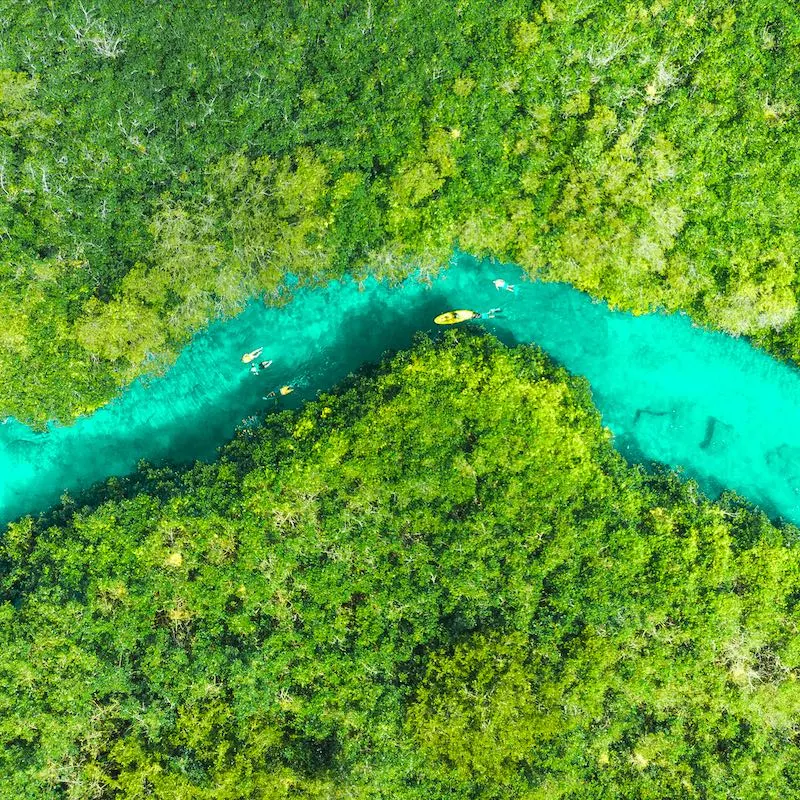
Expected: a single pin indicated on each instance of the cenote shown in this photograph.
(726, 413)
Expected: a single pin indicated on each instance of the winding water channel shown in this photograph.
(724, 411)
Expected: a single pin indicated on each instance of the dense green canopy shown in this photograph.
(438, 582)
(161, 162)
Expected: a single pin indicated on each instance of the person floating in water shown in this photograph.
(261, 367)
(252, 355)
(499, 283)
(283, 391)
(490, 314)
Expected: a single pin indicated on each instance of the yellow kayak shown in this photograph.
(452, 317)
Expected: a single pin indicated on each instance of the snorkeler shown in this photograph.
(499, 283)
(283, 391)
(265, 364)
(490, 314)
(252, 355)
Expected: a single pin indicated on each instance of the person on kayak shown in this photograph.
(252, 356)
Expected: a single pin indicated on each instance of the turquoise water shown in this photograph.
(670, 392)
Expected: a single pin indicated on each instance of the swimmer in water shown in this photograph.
(499, 283)
(265, 364)
(252, 355)
(286, 390)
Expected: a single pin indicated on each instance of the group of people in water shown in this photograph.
(499, 284)
(249, 358)
(464, 314)
(443, 319)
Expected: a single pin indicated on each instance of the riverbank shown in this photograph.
(724, 412)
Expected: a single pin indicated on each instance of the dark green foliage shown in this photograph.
(439, 582)
(162, 162)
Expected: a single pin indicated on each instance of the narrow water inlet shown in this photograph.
(725, 412)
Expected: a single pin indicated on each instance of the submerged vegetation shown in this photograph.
(440, 581)
(160, 163)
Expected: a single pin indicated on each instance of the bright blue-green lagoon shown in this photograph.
(670, 392)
